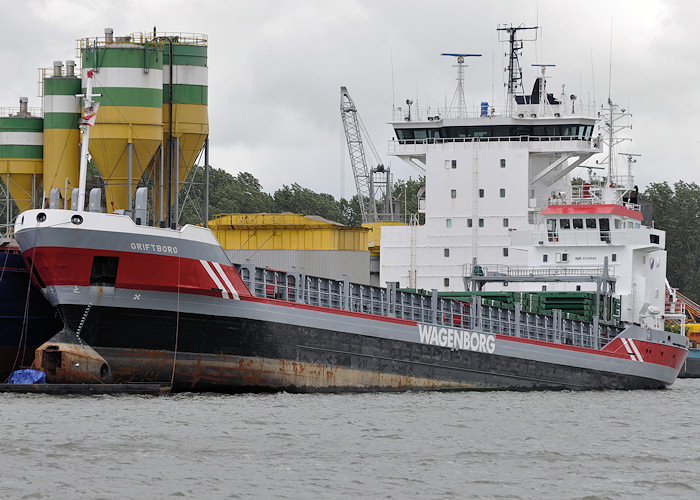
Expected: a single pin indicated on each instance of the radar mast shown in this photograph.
(459, 92)
(515, 46)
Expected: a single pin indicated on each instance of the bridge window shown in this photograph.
(552, 230)
(420, 134)
(590, 224)
(569, 131)
(604, 229)
(564, 223)
(577, 223)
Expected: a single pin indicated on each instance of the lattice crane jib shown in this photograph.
(358, 156)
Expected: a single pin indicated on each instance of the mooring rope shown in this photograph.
(22, 337)
(82, 320)
(177, 315)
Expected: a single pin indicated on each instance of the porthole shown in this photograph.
(40, 217)
(77, 219)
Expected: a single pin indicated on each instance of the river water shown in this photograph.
(614, 444)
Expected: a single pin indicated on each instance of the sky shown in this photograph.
(276, 68)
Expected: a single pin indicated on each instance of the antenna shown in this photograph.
(515, 73)
(459, 93)
(543, 87)
(610, 62)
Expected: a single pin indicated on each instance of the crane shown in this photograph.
(367, 186)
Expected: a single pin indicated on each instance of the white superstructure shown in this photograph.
(499, 204)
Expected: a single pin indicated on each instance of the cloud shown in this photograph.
(275, 69)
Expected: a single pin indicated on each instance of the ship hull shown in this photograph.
(253, 352)
(691, 367)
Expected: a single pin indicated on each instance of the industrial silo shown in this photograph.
(128, 75)
(61, 133)
(189, 117)
(21, 154)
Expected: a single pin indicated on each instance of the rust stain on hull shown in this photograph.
(67, 360)
(234, 373)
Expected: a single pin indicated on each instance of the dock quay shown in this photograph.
(146, 389)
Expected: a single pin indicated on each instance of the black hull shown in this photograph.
(233, 354)
(691, 368)
(19, 337)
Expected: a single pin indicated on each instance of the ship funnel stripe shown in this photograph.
(214, 278)
(225, 279)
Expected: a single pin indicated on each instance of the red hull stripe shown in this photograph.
(647, 352)
(167, 273)
(339, 312)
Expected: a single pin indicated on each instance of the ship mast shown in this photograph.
(611, 127)
(87, 121)
(459, 93)
(515, 72)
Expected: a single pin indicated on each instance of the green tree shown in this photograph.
(676, 210)
(300, 200)
(227, 194)
(406, 195)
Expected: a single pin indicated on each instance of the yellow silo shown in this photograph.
(21, 153)
(189, 95)
(61, 133)
(129, 127)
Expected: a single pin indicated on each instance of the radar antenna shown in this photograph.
(460, 104)
(515, 44)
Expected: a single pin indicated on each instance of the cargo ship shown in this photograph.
(166, 304)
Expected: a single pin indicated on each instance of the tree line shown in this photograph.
(243, 193)
(676, 210)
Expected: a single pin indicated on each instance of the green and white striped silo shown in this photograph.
(61, 133)
(129, 127)
(21, 153)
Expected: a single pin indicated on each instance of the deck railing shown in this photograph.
(423, 308)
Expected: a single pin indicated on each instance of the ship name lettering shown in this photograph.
(152, 247)
(457, 339)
